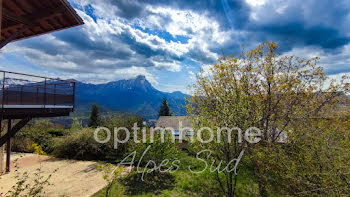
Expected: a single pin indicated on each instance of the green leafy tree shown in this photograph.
(164, 108)
(110, 174)
(95, 119)
(314, 161)
(157, 149)
(76, 125)
(260, 88)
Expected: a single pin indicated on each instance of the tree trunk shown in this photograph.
(260, 179)
(262, 188)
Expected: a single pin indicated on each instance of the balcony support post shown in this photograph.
(14, 130)
(1, 153)
(45, 94)
(8, 146)
(0, 16)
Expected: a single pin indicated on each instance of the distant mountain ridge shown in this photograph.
(132, 95)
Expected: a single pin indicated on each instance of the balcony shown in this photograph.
(24, 95)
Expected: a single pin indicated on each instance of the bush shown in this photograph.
(80, 145)
(33, 133)
(123, 120)
(116, 121)
(57, 132)
(40, 132)
(76, 124)
(157, 151)
(23, 145)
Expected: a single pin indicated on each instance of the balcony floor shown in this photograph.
(37, 106)
(34, 111)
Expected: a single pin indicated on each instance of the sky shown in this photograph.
(169, 41)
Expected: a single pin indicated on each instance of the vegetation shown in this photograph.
(276, 94)
(95, 119)
(40, 132)
(156, 151)
(110, 174)
(164, 109)
(303, 148)
(314, 163)
(79, 145)
(29, 185)
(179, 183)
(76, 125)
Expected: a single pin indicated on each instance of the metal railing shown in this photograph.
(23, 90)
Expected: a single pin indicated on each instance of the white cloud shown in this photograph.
(202, 30)
(206, 69)
(111, 44)
(171, 66)
(192, 76)
(255, 3)
(336, 62)
(124, 38)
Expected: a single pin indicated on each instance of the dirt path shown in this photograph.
(73, 178)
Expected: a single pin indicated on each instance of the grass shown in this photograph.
(180, 183)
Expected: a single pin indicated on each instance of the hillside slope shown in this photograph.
(133, 95)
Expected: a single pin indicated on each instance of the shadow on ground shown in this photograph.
(153, 183)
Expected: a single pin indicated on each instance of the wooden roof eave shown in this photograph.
(18, 27)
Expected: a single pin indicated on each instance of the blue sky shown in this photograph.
(170, 41)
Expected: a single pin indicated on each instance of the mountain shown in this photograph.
(134, 95)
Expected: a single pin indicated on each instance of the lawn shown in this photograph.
(179, 183)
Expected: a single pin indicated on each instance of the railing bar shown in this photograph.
(54, 96)
(29, 75)
(3, 95)
(63, 91)
(45, 94)
(38, 83)
(73, 96)
(37, 95)
(21, 96)
(14, 86)
(57, 94)
(42, 87)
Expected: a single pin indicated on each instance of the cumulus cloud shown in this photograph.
(125, 38)
(333, 63)
(295, 23)
(111, 40)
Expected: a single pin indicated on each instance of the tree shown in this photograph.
(110, 174)
(95, 119)
(315, 161)
(157, 149)
(262, 89)
(76, 124)
(164, 108)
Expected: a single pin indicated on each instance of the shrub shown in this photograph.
(40, 132)
(23, 145)
(76, 124)
(157, 150)
(123, 120)
(110, 174)
(57, 132)
(33, 133)
(80, 145)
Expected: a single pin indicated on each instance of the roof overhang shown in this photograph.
(23, 19)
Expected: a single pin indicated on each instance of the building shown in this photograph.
(176, 124)
(23, 96)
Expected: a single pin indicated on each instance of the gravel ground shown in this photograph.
(72, 178)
